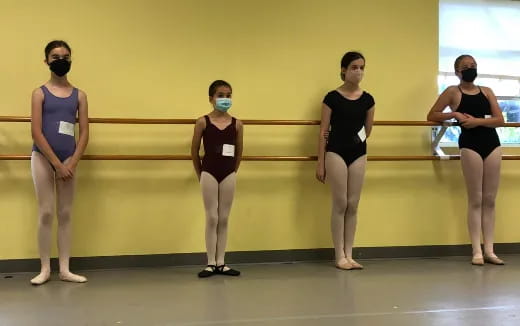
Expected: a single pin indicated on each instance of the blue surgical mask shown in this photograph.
(223, 104)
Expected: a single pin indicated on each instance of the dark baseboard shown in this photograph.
(250, 257)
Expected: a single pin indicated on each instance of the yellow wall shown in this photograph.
(142, 58)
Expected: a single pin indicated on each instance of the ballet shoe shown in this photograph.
(493, 260)
(345, 265)
(41, 278)
(355, 264)
(74, 278)
(477, 261)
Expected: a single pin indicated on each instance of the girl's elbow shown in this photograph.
(35, 134)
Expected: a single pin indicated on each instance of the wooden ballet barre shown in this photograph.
(170, 121)
(251, 158)
(247, 122)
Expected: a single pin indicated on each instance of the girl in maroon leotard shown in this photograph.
(222, 138)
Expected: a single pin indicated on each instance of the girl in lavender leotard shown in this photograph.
(55, 107)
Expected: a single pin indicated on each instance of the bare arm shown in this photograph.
(83, 129)
(497, 118)
(444, 100)
(36, 128)
(322, 142)
(200, 125)
(369, 121)
(240, 143)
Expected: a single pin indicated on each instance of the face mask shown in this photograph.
(60, 67)
(469, 74)
(222, 104)
(354, 75)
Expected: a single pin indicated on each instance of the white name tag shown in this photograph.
(487, 116)
(66, 128)
(228, 150)
(362, 134)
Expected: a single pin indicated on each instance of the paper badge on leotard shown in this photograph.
(66, 128)
(362, 134)
(228, 150)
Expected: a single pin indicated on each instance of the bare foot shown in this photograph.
(71, 277)
(42, 278)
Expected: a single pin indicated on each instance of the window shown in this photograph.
(487, 30)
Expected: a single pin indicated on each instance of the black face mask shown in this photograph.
(60, 67)
(469, 74)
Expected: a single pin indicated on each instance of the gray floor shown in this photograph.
(446, 291)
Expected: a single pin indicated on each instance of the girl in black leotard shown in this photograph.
(477, 110)
(348, 112)
(222, 138)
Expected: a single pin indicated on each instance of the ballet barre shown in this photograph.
(439, 154)
(251, 158)
(248, 122)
